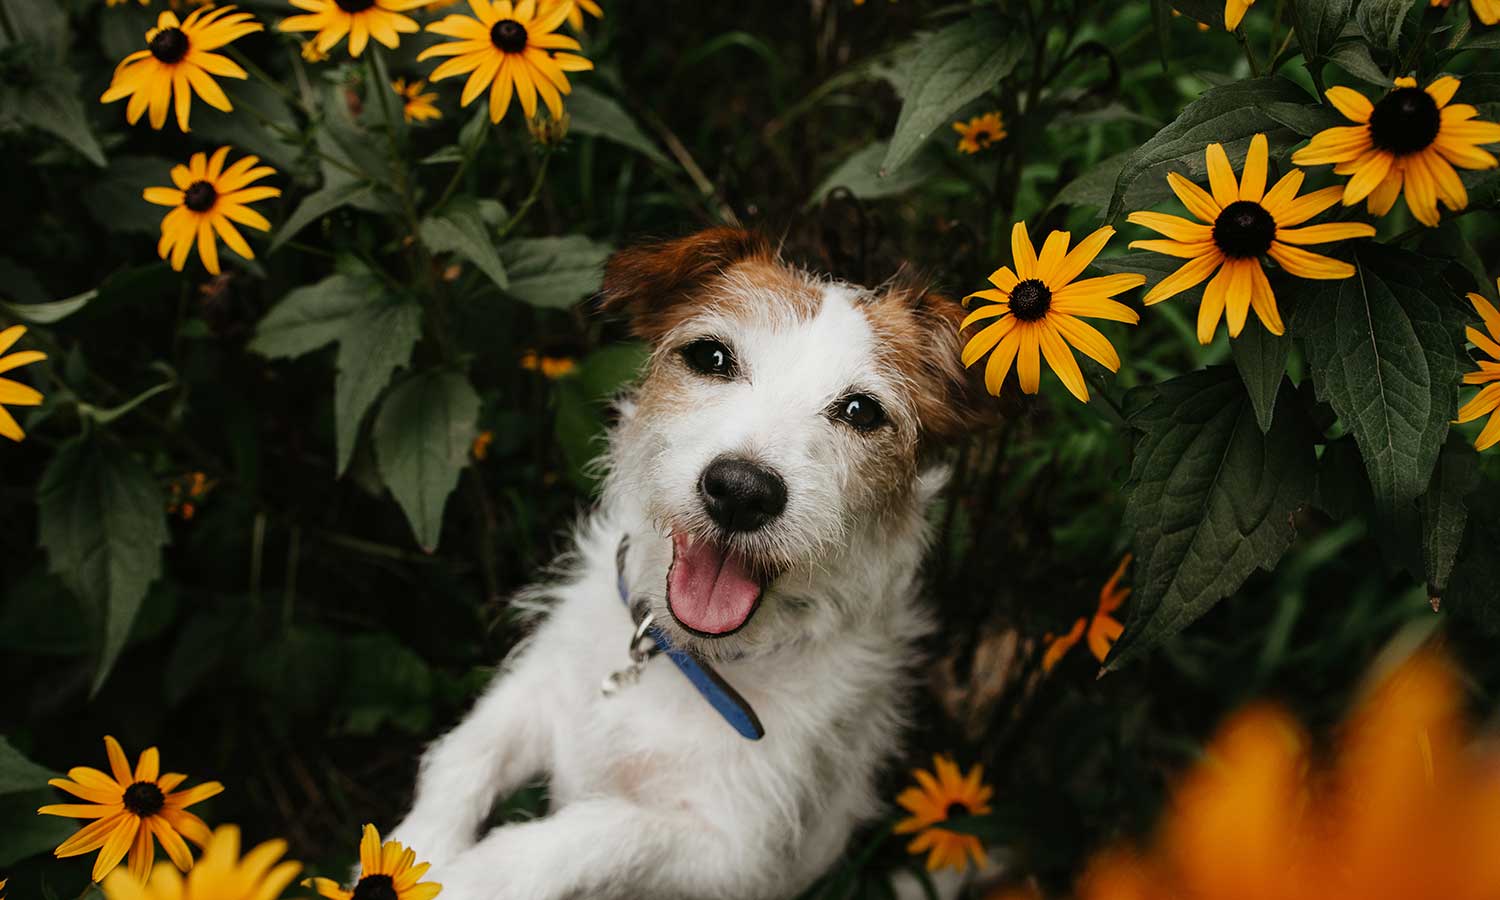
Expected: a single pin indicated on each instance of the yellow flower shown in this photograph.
(14, 393)
(206, 202)
(938, 799)
(979, 133)
(1407, 142)
(1040, 308)
(1486, 401)
(508, 48)
(481, 446)
(415, 105)
(576, 9)
(1488, 11)
(312, 54)
(130, 809)
(177, 63)
(1408, 809)
(1242, 222)
(1234, 11)
(388, 871)
(359, 19)
(187, 492)
(551, 367)
(222, 874)
(1103, 628)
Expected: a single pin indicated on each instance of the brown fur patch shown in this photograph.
(655, 284)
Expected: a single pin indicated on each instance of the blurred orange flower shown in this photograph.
(1103, 628)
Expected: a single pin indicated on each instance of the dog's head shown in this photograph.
(778, 440)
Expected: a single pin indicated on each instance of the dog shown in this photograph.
(764, 502)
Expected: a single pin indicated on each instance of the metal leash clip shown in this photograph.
(642, 648)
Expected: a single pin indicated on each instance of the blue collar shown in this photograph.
(725, 700)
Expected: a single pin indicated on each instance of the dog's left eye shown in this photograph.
(709, 357)
(861, 411)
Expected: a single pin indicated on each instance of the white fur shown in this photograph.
(652, 793)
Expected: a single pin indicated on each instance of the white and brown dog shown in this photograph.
(765, 505)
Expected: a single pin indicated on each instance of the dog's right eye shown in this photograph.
(709, 357)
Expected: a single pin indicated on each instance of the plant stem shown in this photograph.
(530, 201)
(264, 78)
(1239, 35)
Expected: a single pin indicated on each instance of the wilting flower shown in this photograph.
(576, 9)
(1102, 627)
(1039, 310)
(128, 810)
(416, 106)
(207, 200)
(222, 874)
(14, 393)
(1243, 222)
(1410, 139)
(387, 871)
(937, 799)
(359, 19)
(509, 49)
(178, 63)
(1487, 400)
(979, 133)
(1234, 11)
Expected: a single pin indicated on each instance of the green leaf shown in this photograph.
(1260, 357)
(48, 313)
(103, 523)
(1385, 355)
(1381, 20)
(115, 200)
(1230, 114)
(319, 204)
(50, 103)
(312, 316)
(1354, 57)
(385, 683)
(1209, 499)
(1444, 513)
(1304, 120)
(860, 174)
(1474, 588)
(554, 272)
(1319, 23)
(23, 833)
(17, 773)
(422, 440)
(460, 228)
(950, 69)
(594, 114)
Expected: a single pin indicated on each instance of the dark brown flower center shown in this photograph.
(200, 196)
(170, 45)
(144, 799)
(1244, 229)
(375, 887)
(957, 810)
(509, 35)
(1405, 120)
(354, 6)
(1030, 300)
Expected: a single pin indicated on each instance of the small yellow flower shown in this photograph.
(1234, 11)
(129, 809)
(387, 870)
(1242, 221)
(481, 446)
(508, 48)
(547, 130)
(1487, 11)
(222, 874)
(1487, 400)
(360, 20)
(1103, 628)
(207, 200)
(416, 106)
(312, 53)
(1039, 310)
(187, 492)
(576, 9)
(979, 133)
(1407, 142)
(934, 800)
(551, 367)
(14, 393)
(178, 63)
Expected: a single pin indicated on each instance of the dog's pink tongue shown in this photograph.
(709, 591)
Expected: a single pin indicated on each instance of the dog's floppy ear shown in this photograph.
(653, 284)
(953, 399)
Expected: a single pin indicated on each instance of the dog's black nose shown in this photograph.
(741, 495)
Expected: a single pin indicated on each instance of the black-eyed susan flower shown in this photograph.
(387, 871)
(511, 49)
(222, 874)
(178, 62)
(1234, 11)
(576, 9)
(942, 794)
(129, 809)
(1408, 143)
(1241, 222)
(1039, 311)
(360, 20)
(1487, 11)
(1102, 627)
(979, 133)
(207, 202)
(416, 102)
(14, 393)
(1487, 401)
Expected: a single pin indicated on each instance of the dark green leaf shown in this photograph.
(422, 440)
(312, 316)
(48, 313)
(1319, 23)
(1304, 120)
(1354, 57)
(1381, 20)
(554, 272)
(460, 228)
(1444, 513)
(17, 773)
(1260, 357)
(23, 833)
(385, 683)
(860, 174)
(50, 103)
(1474, 587)
(317, 205)
(592, 113)
(115, 200)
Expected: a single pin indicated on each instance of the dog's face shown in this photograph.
(776, 440)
